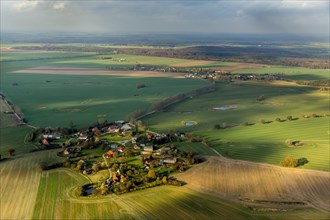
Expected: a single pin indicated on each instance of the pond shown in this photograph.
(190, 123)
(90, 191)
(225, 107)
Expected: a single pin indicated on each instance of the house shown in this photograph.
(126, 127)
(83, 137)
(120, 122)
(170, 160)
(149, 148)
(66, 152)
(95, 129)
(164, 150)
(45, 142)
(146, 152)
(109, 154)
(136, 147)
(113, 129)
(120, 149)
(113, 146)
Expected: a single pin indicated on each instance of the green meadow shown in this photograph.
(293, 73)
(257, 141)
(55, 100)
(17, 56)
(280, 101)
(266, 142)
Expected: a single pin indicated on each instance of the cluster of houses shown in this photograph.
(229, 76)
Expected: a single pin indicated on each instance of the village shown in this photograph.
(117, 157)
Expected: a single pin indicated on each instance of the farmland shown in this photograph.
(239, 179)
(293, 73)
(19, 184)
(50, 192)
(245, 121)
(258, 142)
(85, 99)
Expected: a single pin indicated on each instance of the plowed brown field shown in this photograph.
(235, 179)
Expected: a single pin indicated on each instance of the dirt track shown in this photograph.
(92, 71)
(235, 179)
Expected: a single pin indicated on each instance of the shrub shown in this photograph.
(289, 161)
(140, 86)
(289, 117)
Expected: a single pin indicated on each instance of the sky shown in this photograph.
(305, 17)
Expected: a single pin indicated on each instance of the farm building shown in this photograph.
(169, 160)
(149, 148)
(126, 127)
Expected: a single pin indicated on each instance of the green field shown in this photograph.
(85, 99)
(14, 137)
(294, 73)
(281, 100)
(55, 198)
(259, 142)
(17, 56)
(265, 142)
(195, 147)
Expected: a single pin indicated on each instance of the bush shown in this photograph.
(140, 86)
(289, 161)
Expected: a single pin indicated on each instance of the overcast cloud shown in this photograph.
(307, 17)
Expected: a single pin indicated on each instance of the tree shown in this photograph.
(263, 121)
(128, 152)
(152, 174)
(164, 180)
(288, 142)
(96, 167)
(11, 151)
(289, 161)
(289, 117)
(217, 126)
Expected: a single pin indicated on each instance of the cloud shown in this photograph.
(25, 5)
(59, 5)
(296, 4)
(169, 16)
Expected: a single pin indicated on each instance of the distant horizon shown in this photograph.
(287, 17)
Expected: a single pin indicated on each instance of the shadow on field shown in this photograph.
(251, 151)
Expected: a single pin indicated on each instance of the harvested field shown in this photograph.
(240, 66)
(193, 63)
(99, 72)
(235, 179)
(19, 184)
